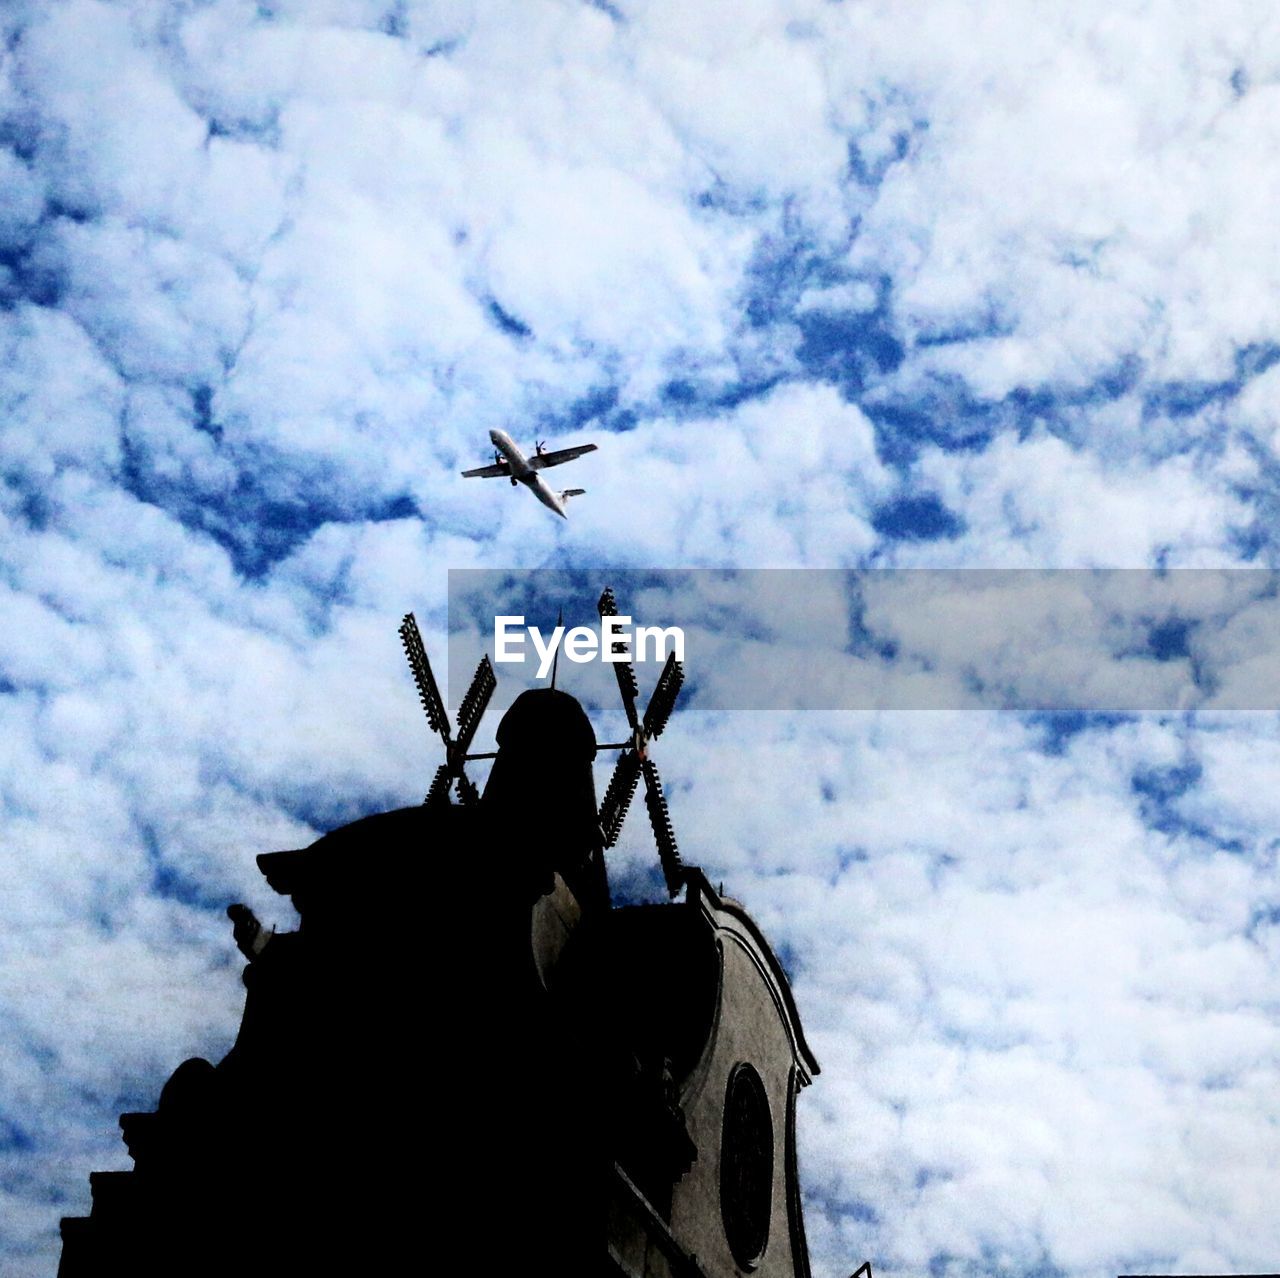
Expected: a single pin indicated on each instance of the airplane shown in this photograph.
(510, 463)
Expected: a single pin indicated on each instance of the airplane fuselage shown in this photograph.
(523, 473)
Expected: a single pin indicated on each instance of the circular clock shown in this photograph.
(746, 1166)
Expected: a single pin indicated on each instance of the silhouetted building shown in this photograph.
(466, 1059)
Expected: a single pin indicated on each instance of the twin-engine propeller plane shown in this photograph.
(510, 463)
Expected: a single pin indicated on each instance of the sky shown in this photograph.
(871, 283)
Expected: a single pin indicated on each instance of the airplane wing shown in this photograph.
(540, 461)
(486, 472)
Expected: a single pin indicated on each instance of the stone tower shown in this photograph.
(467, 1059)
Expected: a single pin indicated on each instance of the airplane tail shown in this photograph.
(571, 492)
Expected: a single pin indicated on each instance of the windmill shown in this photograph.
(470, 711)
(634, 761)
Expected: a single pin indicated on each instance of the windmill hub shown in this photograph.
(547, 721)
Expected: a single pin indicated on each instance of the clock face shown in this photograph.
(746, 1166)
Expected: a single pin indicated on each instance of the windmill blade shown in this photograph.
(663, 701)
(428, 691)
(475, 703)
(630, 690)
(617, 798)
(438, 795)
(664, 835)
(623, 670)
(468, 795)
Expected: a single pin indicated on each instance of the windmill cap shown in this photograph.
(547, 720)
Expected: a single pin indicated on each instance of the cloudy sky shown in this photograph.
(952, 283)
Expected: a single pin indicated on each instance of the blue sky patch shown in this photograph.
(506, 321)
(848, 349)
(1183, 399)
(921, 517)
(904, 429)
(1059, 728)
(14, 1137)
(1159, 791)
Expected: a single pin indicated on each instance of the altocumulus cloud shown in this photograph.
(943, 284)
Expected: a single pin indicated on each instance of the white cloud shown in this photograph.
(269, 277)
(1033, 1027)
(1040, 502)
